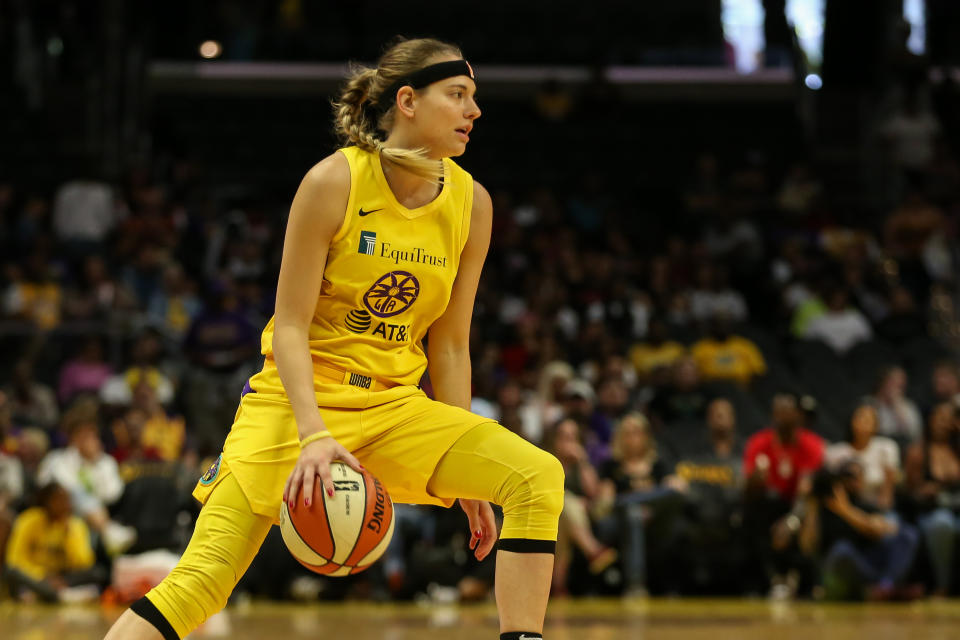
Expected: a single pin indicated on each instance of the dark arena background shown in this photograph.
(722, 289)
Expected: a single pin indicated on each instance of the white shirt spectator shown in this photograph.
(901, 420)
(708, 304)
(11, 479)
(840, 330)
(880, 455)
(91, 484)
(83, 211)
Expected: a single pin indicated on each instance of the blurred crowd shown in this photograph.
(752, 392)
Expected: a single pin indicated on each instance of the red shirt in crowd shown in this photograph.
(785, 464)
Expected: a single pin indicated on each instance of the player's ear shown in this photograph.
(406, 101)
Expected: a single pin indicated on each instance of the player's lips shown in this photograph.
(464, 133)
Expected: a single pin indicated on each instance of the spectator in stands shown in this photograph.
(903, 320)
(911, 134)
(11, 492)
(725, 356)
(778, 463)
(11, 482)
(33, 295)
(32, 445)
(83, 215)
(636, 482)
(932, 474)
(515, 413)
(221, 344)
(712, 468)
(897, 415)
(31, 401)
(8, 430)
(143, 274)
(145, 365)
(613, 401)
(128, 443)
(85, 373)
(550, 395)
(877, 458)
(88, 474)
(175, 305)
(49, 554)
(840, 326)
(653, 357)
(862, 548)
(799, 191)
(578, 400)
(713, 296)
(781, 457)
(163, 432)
(98, 294)
(734, 239)
(683, 401)
(945, 381)
(581, 487)
(910, 233)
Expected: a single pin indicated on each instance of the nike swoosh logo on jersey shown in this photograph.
(366, 213)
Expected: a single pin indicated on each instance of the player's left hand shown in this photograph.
(483, 526)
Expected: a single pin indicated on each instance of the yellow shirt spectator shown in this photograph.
(165, 434)
(647, 357)
(42, 547)
(734, 358)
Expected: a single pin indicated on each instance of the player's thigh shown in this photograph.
(492, 463)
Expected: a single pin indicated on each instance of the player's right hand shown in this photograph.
(314, 461)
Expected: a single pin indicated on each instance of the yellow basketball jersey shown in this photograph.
(389, 274)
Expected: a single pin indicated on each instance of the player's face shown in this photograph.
(446, 114)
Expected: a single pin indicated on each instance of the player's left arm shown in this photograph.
(448, 351)
(448, 346)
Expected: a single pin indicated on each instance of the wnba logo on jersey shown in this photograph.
(392, 293)
(368, 242)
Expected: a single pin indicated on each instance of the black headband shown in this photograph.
(423, 77)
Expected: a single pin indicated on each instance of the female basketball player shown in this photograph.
(384, 247)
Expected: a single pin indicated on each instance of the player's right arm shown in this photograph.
(315, 217)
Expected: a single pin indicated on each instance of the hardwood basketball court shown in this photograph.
(686, 619)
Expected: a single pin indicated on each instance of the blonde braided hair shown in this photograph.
(356, 120)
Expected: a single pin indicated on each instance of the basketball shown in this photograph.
(342, 535)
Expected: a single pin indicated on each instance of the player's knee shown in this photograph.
(541, 488)
(551, 485)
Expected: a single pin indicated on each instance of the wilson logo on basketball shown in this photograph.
(379, 508)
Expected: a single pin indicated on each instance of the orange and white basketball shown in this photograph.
(341, 535)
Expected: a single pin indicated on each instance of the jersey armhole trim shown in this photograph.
(467, 211)
(345, 222)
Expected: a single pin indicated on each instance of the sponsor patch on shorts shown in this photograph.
(212, 473)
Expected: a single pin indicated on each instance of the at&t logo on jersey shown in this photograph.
(358, 320)
(368, 242)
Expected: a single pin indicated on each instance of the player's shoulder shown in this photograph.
(482, 202)
(330, 173)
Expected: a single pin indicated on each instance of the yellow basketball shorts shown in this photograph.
(423, 451)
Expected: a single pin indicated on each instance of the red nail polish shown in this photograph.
(477, 533)
(330, 492)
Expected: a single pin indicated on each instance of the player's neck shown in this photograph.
(408, 188)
